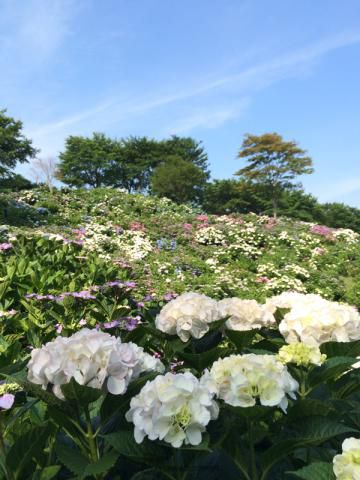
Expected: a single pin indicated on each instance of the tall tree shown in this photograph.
(188, 149)
(88, 161)
(140, 155)
(179, 180)
(273, 163)
(14, 146)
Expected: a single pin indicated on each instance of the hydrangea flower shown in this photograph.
(301, 354)
(92, 358)
(314, 320)
(175, 408)
(245, 314)
(242, 380)
(347, 464)
(189, 315)
(7, 401)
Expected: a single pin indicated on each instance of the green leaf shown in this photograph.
(330, 370)
(26, 447)
(81, 394)
(315, 471)
(311, 431)
(49, 472)
(200, 361)
(147, 451)
(341, 349)
(72, 458)
(241, 339)
(103, 465)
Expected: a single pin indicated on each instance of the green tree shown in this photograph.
(14, 146)
(89, 161)
(188, 149)
(179, 180)
(15, 183)
(273, 163)
(233, 196)
(338, 215)
(140, 155)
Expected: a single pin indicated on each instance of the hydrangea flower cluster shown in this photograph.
(347, 464)
(242, 380)
(175, 408)
(314, 320)
(189, 315)
(92, 358)
(245, 314)
(301, 355)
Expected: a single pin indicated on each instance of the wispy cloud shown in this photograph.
(32, 31)
(240, 85)
(207, 118)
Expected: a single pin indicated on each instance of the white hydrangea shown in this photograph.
(245, 314)
(301, 354)
(241, 380)
(346, 465)
(188, 315)
(134, 245)
(314, 320)
(210, 236)
(291, 299)
(174, 407)
(92, 358)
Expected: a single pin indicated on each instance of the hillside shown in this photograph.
(167, 249)
(100, 347)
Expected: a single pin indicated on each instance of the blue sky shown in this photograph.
(211, 69)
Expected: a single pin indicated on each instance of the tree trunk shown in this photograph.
(275, 205)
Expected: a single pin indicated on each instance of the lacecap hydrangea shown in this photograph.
(92, 358)
(175, 408)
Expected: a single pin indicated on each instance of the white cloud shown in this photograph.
(49, 137)
(32, 31)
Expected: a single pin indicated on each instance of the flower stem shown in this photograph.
(7, 472)
(254, 471)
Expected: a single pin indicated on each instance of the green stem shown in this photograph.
(8, 473)
(94, 453)
(254, 471)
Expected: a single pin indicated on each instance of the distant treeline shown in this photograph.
(177, 168)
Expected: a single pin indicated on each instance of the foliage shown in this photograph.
(273, 163)
(178, 180)
(108, 260)
(14, 146)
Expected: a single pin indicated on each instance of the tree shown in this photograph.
(233, 196)
(179, 180)
(188, 149)
(140, 155)
(14, 146)
(273, 163)
(15, 183)
(89, 161)
(45, 169)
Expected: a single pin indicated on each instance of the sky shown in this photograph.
(211, 69)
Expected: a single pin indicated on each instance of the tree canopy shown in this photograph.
(179, 180)
(14, 146)
(273, 163)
